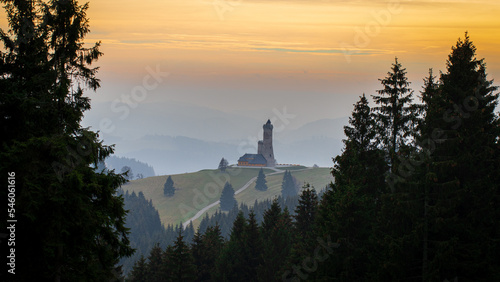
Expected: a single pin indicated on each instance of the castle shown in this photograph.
(265, 154)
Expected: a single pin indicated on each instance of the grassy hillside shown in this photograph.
(199, 189)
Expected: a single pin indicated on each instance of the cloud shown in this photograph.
(325, 51)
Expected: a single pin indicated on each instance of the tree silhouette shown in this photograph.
(227, 200)
(261, 183)
(168, 187)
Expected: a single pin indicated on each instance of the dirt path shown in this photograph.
(205, 209)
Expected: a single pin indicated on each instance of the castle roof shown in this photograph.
(268, 124)
(253, 159)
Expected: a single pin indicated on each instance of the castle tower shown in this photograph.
(265, 146)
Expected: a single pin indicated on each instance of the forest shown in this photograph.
(415, 197)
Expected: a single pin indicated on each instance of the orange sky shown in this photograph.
(338, 48)
(287, 36)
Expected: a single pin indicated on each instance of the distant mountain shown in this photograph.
(323, 128)
(137, 167)
(178, 137)
(172, 118)
(171, 155)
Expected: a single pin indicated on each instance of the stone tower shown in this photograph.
(265, 146)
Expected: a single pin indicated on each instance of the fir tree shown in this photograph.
(227, 200)
(223, 165)
(361, 163)
(155, 265)
(206, 249)
(288, 186)
(139, 272)
(462, 179)
(276, 240)
(45, 69)
(181, 263)
(305, 216)
(261, 183)
(348, 208)
(232, 261)
(253, 245)
(168, 187)
(395, 115)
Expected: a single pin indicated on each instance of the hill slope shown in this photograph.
(195, 191)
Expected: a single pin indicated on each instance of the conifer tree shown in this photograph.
(305, 216)
(139, 271)
(232, 262)
(155, 264)
(276, 241)
(206, 249)
(361, 163)
(253, 245)
(395, 115)
(223, 165)
(261, 183)
(70, 218)
(288, 186)
(227, 200)
(181, 263)
(348, 208)
(462, 179)
(168, 187)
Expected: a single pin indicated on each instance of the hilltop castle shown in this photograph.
(265, 154)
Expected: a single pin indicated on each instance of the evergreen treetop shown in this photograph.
(394, 114)
(168, 187)
(261, 182)
(45, 68)
(227, 199)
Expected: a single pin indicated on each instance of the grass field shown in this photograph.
(196, 190)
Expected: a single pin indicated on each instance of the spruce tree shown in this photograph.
(361, 163)
(206, 249)
(395, 116)
(348, 209)
(276, 233)
(261, 183)
(253, 245)
(223, 165)
(139, 271)
(462, 179)
(70, 218)
(155, 264)
(288, 186)
(168, 187)
(181, 263)
(233, 259)
(305, 216)
(227, 200)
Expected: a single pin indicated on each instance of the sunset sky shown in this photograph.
(315, 56)
(250, 56)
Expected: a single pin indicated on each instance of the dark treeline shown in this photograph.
(146, 229)
(254, 249)
(415, 198)
(69, 220)
(225, 219)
